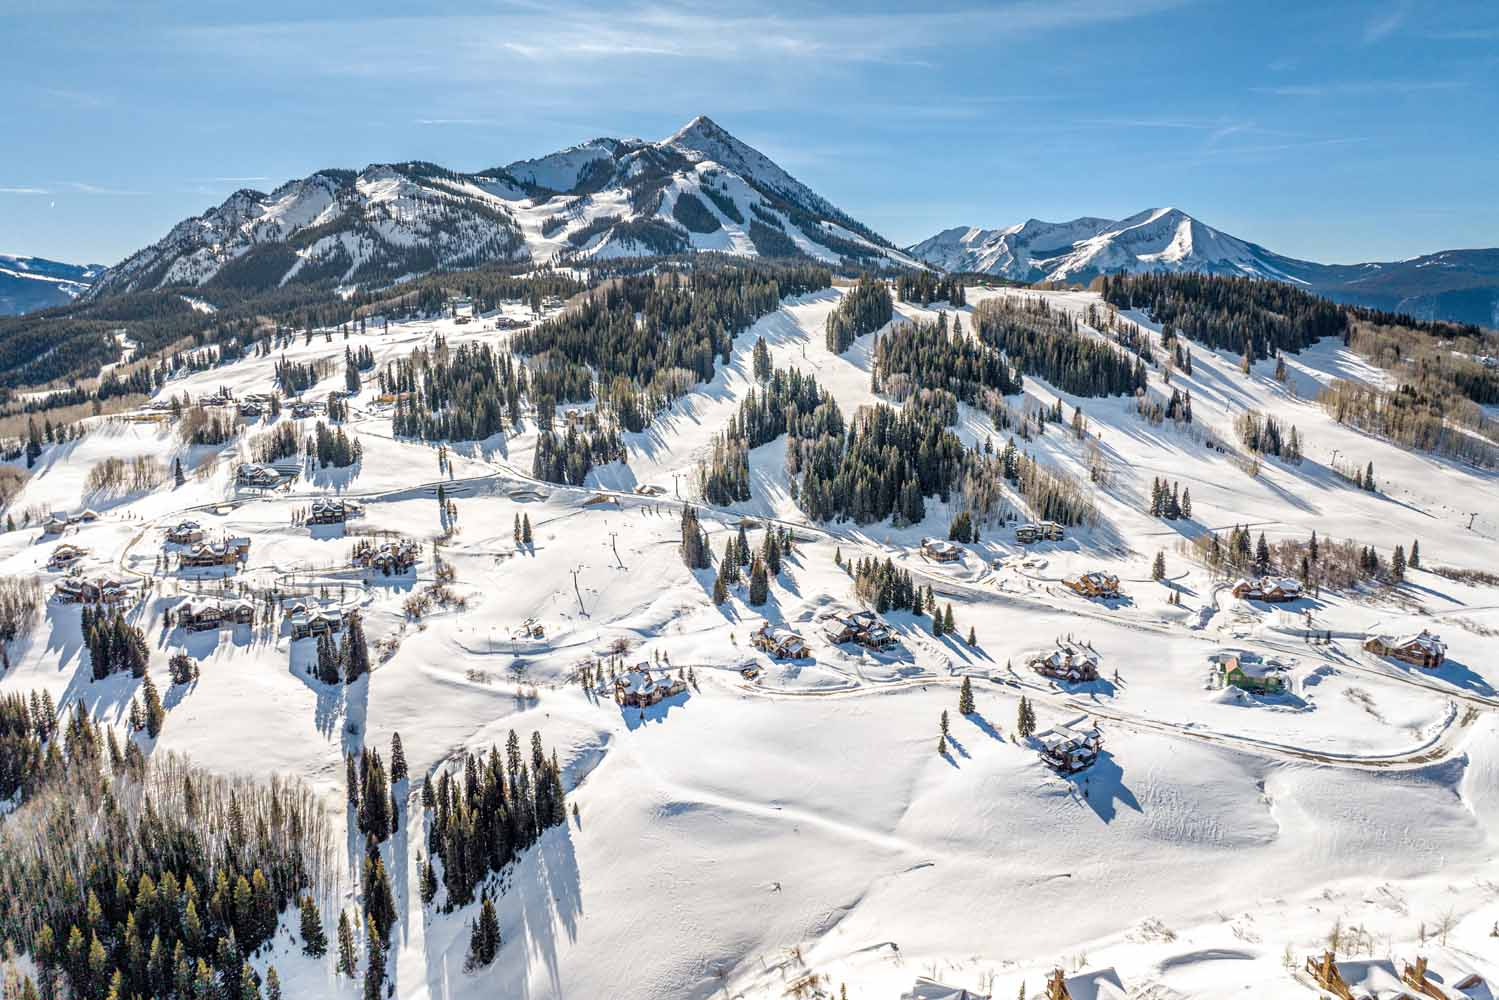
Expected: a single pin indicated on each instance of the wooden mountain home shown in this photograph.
(54, 525)
(1424, 649)
(1270, 589)
(226, 553)
(308, 618)
(331, 510)
(1070, 748)
(1442, 982)
(930, 989)
(1070, 661)
(388, 558)
(254, 475)
(643, 686)
(1039, 531)
(941, 550)
(1250, 672)
(781, 641)
(861, 627)
(66, 555)
(96, 590)
(202, 614)
(1094, 584)
(185, 533)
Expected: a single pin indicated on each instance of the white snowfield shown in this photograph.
(800, 827)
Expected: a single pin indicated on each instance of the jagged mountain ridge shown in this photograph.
(31, 283)
(1458, 285)
(699, 189)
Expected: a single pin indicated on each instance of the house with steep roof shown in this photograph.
(1094, 584)
(1423, 648)
(779, 640)
(1073, 662)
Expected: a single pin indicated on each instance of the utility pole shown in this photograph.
(581, 610)
(612, 536)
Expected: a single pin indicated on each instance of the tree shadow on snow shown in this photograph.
(1102, 786)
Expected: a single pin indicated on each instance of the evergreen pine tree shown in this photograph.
(155, 714)
(177, 476)
(1158, 568)
(1397, 565)
(347, 963)
(272, 984)
(973, 639)
(949, 627)
(720, 592)
(759, 587)
(525, 529)
(314, 940)
(1186, 503)
(1414, 562)
(398, 770)
(965, 697)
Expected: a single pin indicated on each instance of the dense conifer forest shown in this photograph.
(125, 876)
(1048, 344)
(863, 310)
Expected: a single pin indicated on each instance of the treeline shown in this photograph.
(1438, 359)
(1048, 344)
(334, 447)
(786, 402)
(648, 329)
(1315, 562)
(463, 394)
(884, 465)
(1262, 434)
(926, 287)
(485, 816)
(863, 310)
(114, 645)
(1250, 316)
(122, 877)
(568, 457)
(1407, 416)
(926, 354)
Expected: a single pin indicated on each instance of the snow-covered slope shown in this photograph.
(1457, 285)
(30, 283)
(735, 840)
(700, 189)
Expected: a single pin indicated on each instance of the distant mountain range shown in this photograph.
(31, 283)
(699, 189)
(1458, 285)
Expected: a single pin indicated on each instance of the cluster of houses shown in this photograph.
(303, 409)
(1094, 584)
(1377, 979)
(861, 627)
(56, 524)
(93, 590)
(203, 614)
(1039, 531)
(780, 641)
(222, 397)
(1423, 649)
(66, 555)
(941, 550)
(1249, 672)
(1070, 748)
(389, 558)
(642, 687)
(1270, 589)
(1070, 661)
(307, 616)
(186, 532)
(332, 510)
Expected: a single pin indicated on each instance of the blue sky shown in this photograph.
(1332, 131)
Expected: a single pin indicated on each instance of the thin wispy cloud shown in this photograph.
(1360, 88)
(23, 190)
(1386, 22)
(83, 187)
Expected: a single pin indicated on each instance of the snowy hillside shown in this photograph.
(787, 827)
(30, 283)
(700, 189)
(1457, 285)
